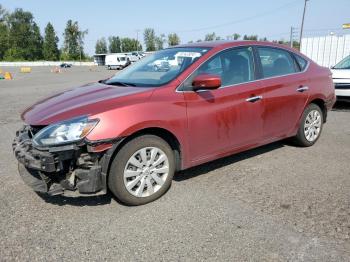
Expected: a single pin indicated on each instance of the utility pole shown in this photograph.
(302, 23)
(291, 36)
(137, 39)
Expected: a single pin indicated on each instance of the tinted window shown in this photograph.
(234, 66)
(301, 62)
(343, 64)
(275, 62)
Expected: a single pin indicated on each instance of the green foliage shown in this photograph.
(50, 49)
(150, 39)
(114, 44)
(210, 37)
(101, 46)
(159, 41)
(4, 37)
(24, 39)
(130, 44)
(250, 37)
(173, 39)
(73, 46)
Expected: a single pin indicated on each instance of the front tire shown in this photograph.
(311, 125)
(142, 170)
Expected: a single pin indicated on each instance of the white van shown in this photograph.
(117, 61)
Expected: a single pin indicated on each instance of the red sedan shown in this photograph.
(177, 108)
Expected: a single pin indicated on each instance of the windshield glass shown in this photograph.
(159, 68)
(343, 64)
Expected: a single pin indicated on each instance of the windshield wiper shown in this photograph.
(117, 83)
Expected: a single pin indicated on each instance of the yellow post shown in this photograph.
(8, 76)
(26, 69)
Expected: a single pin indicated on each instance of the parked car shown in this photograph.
(116, 61)
(341, 79)
(132, 132)
(65, 65)
(133, 57)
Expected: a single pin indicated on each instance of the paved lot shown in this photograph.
(274, 203)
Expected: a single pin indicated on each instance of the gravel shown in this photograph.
(274, 203)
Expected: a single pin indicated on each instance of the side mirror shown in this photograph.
(206, 82)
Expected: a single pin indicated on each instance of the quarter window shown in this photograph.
(301, 62)
(275, 62)
(234, 66)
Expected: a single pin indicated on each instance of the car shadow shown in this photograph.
(229, 160)
(342, 106)
(77, 201)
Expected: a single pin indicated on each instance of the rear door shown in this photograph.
(286, 91)
(229, 117)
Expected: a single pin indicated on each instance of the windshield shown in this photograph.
(343, 64)
(159, 68)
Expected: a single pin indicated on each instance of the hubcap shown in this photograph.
(146, 171)
(312, 125)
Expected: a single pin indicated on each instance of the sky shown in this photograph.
(190, 19)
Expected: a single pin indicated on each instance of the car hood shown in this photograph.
(341, 73)
(86, 100)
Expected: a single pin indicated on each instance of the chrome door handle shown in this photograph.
(253, 99)
(302, 88)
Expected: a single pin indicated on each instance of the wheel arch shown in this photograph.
(165, 134)
(322, 104)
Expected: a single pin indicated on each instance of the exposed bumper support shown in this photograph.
(67, 170)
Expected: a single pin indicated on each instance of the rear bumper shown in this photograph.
(342, 92)
(68, 170)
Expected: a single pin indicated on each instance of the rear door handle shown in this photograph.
(302, 89)
(253, 99)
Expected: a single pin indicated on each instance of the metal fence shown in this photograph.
(326, 50)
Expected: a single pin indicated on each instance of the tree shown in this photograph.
(36, 43)
(236, 36)
(4, 34)
(150, 39)
(160, 40)
(73, 46)
(114, 44)
(3, 14)
(24, 39)
(250, 37)
(210, 37)
(173, 39)
(130, 44)
(50, 49)
(101, 46)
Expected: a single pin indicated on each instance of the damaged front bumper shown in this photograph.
(68, 169)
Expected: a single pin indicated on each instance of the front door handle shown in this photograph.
(302, 89)
(253, 99)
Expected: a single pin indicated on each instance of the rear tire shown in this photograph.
(311, 125)
(142, 171)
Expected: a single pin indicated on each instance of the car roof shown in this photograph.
(225, 44)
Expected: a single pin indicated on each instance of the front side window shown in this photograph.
(275, 62)
(343, 64)
(234, 66)
(159, 68)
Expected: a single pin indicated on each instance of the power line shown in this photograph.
(241, 20)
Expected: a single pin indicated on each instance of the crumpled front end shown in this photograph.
(72, 169)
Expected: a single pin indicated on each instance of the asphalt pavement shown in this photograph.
(274, 203)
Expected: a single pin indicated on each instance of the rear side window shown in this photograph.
(301, 62)
(276, 62)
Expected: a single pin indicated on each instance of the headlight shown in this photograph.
(64, 132)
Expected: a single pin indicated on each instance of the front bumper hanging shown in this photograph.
(70, 169)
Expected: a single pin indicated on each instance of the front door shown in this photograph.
(229, 117)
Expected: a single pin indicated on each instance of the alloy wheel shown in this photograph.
(312, 125)
(146, 171)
